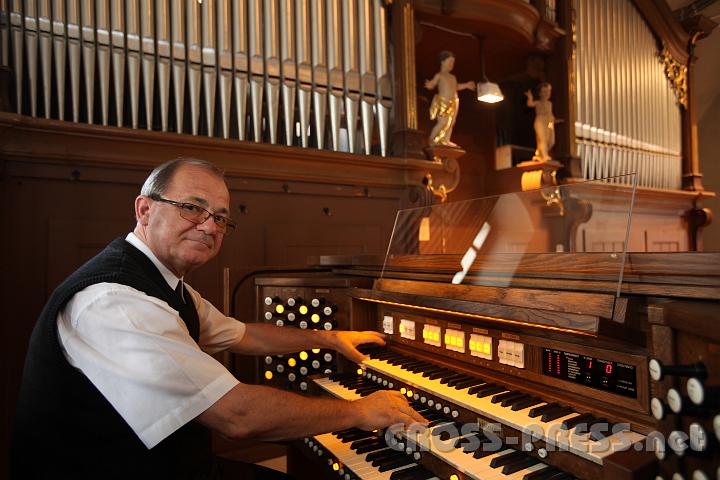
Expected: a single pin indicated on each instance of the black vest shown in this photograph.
(64, 427)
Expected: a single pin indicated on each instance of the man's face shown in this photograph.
(178, 243)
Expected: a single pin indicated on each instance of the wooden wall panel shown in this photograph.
(59, 210)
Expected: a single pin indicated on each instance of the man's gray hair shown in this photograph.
(159, 179)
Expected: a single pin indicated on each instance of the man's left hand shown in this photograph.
(347, 340)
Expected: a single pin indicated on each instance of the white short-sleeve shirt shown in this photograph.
(138, 353)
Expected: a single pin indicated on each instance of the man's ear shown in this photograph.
(142, 209)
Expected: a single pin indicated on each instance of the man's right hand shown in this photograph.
(384, 408)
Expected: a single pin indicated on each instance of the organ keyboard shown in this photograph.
(533, 365)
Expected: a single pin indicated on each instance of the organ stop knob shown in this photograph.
(658, 371)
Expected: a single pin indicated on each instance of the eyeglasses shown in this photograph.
(198, 215)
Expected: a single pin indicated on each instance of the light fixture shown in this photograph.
(487, 91)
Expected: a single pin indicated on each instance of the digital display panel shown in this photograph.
(614, 377)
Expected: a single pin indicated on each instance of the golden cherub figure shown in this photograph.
(544, 122)
(445, 103)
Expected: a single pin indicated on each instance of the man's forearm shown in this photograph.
(264, 413)
(262, 339)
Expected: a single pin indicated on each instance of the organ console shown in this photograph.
(528, 364)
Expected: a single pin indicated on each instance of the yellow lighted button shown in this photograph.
(336, 467)
(425, 334)
(315, 318)
(409, 393)
(268, 375)
(486, 348)
(403, 390)
(303, 355)
(454, 477)
(302, 309)
(291, 362)
(472, 345)
(279, 308)
(316, 350)
(360, 371)
(402, 328)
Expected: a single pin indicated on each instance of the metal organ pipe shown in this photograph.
(289, 71)
(628, 118)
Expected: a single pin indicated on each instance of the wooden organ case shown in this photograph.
(529, 362)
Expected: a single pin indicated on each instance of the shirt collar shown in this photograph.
(169, 277)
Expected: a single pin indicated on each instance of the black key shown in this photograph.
(469, 443)
(367, 441)
(482, 452)
(351, 437)
(447, 432)
(451, 382)
(370, 457)
(506, 459)
(510, 401)
(525, 403)
(430, 371)
(417, 472)
(468, 383)
(396, 355)
(439, 421)
(421, 368)
(352, 432)
(394, 359)
(555, 414)
(561, 476)
(435, 417)
(542, 474)
(444, 380)
(409, 365)
(570, 423)
(489, 390)
(400, 462)
(368, 389)
(537, 411)
(441, 373)
(583, 429)
(503, 396)
(424, 409)
(521, 464)
(473, 390)
(389, 457)
(351, 383)
(600, 431)
(380, 445)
